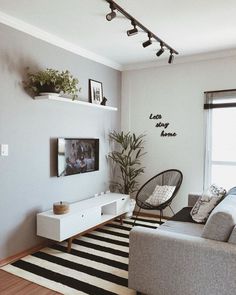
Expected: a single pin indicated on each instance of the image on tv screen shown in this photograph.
(77, 155)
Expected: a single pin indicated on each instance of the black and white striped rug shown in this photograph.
(96, 265)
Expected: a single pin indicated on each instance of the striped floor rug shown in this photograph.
(96, 265)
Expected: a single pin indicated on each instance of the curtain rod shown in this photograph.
(215, 91)
(208, 106)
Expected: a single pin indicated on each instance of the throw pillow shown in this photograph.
(160, 195)
(206, 203)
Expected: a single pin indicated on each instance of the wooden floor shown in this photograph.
(13, 285)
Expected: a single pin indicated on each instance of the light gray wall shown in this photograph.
(27, 181)
(177, 93)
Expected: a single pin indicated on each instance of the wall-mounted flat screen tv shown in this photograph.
(77, 155)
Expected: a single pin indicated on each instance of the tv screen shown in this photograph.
(77, 155)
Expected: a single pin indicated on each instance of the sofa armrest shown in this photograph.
(192, 198)
(180, 264)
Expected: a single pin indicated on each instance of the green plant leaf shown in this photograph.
(127, 159)
(59, 81)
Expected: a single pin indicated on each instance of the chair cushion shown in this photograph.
(187, 228)
(206, 203)
(160, 195)
(221, 221)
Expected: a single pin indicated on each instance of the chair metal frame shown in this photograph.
(161, 207)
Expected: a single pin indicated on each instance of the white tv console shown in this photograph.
(83, 216)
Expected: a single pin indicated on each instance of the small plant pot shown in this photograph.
(49, 93)
(47, 89)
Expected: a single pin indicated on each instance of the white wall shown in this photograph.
(28, 182)
(177, 93)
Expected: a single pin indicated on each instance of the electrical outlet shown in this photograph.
(4, 150)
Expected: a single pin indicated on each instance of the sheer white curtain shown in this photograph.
(220, 153)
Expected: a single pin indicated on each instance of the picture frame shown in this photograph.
(95, 91)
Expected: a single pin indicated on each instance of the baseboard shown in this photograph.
(29, 251)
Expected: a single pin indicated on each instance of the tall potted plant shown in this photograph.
(127, 160)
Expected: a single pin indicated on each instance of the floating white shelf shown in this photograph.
(84, 103)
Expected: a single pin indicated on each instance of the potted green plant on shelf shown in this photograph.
(127, 160)
(52, 81)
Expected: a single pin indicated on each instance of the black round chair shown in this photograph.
(171, 177)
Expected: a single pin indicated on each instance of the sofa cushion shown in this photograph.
(232, 191)
(192, 198)
(187, 228)
(207, 202)
(221, 221)
(232, 238)
(160, 195)
(184, 216)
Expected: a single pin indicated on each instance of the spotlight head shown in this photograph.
(132, 32)
(171, 58)
(111, 15)
(148, 42)
(160, 51)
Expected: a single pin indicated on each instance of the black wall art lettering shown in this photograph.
(155, 117)
(163, 125)
(168, 134)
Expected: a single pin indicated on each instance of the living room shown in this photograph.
(149, 95)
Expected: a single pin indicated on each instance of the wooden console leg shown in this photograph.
(69, 244)
(121, 220)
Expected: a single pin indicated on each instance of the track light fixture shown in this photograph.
(112, 14)
(161, 50)
(171, 58)
(149, 41)
(133, 31)
(136, 23)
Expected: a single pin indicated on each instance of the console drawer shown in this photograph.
(62, 227)
(79, 222)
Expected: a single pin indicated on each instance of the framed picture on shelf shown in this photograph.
(95, 91)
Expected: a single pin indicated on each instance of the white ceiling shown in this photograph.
(189, 26)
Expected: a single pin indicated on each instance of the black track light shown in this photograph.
(139, 27)
(148, 42)
(171, 58)
(112, 14)
(160, 51)
(133, 31)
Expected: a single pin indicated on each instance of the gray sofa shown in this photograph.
(185, 258)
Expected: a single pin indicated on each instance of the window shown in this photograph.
(220, 164)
